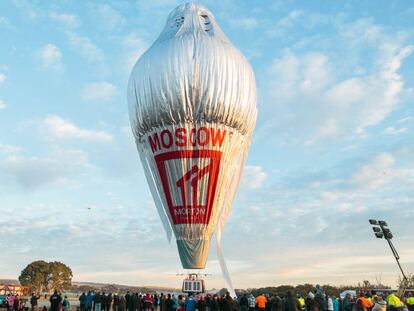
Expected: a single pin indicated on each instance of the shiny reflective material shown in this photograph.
(192, 105)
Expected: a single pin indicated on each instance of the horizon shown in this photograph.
(333, 145)
(342, 286)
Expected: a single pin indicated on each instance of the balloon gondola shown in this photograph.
(193, 283)
(192, 106)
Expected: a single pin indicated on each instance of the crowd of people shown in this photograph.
(12, 302)
(314, 301)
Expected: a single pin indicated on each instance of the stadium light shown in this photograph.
(381, 230)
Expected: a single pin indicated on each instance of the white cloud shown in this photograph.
(375, 173)
(86, 47)
(57, 127)
(373, 96)
(9, 149)
(253, 177)
(50, 57)
(245, 23)
(33, 172)
(305, 88)
(309, 74)
(98, 91)
(135, 46)
(65, 19)
(110, 18)
(405, 119)
(2, 77)
(283, 25)
(393, 131)
(2, 104)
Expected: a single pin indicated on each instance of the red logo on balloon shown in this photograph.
(189, 180)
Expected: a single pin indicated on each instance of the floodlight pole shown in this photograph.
(382, 224)
(395, 253)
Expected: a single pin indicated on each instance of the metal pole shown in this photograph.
(397, 257)
(394, 252)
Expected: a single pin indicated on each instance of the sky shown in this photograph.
(333, 146)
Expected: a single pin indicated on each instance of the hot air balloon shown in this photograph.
(192, 106)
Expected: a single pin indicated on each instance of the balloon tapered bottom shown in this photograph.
(193, 253)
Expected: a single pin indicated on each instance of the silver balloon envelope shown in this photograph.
(192, 106)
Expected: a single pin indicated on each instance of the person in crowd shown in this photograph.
(277, 304)
(359, 306)
(33, 301)
(410, 302)
(301, 301)
(55, 301)
(269, 303)
(180, 303)
(108, 302)
(127, 296)
(103, 303)
(320, 299)
(329, 303)
(227, 303)
(133, 302)
(379, 304)
(141, 302)
(244, 303)
(365, 301)
(291, 303)
(214, 303)
(89, 300)
(394, 303)
(148, 303)
(169, 303)
(16, 303)
(347, 303)
(190, 303)
(82, 302)
(313, 306)
(208, 301)
(7, 300)
(116, 303)
(155, 301)
(309, 301)
(97, 301)
(122, 303)
(319, 290)
(261, 302)
(335, 303)
(201, 304)
(174, 299)
(66, 304)
(252, 302)
(162, 302)
(236, 306)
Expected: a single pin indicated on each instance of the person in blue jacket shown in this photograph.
(335, 303)
(190, 303)
(89, 301)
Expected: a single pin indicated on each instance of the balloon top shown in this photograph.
(191, 18)
(191, 74)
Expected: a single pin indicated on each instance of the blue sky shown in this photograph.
(333, 145)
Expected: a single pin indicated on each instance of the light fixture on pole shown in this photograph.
(381, 230)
